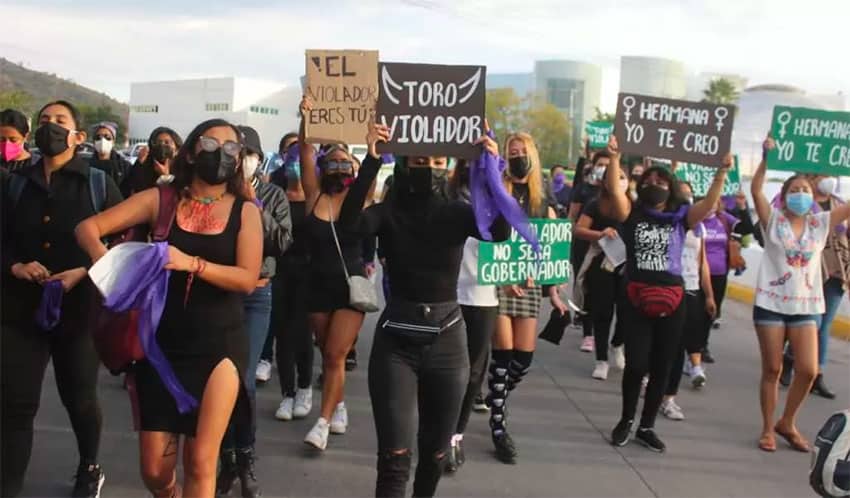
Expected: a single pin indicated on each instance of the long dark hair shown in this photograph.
(675, 201)
(184, 171)
(178, 142)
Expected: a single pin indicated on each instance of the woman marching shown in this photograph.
(215, 252)
(14, 133)
(516, 325)
(789, 296)
(335, 323)
(653, 229)
(156, 167)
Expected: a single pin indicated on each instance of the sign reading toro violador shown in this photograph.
(514, 261)
(680, 130)
(431, 110)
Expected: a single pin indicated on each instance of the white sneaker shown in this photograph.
(587, 344)
(698, 377)
(671, 410)
(339, 419)
(303, 402)
(284, 411)
(318, 435)
(619, 353)
(600, 371)
(264, 371)
(687, 367)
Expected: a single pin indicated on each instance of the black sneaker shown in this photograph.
(505, 448)
(787, 371)
(819, 388)
(648, 438)
(621, 433)
(351, 360)
(247, 476)
(88, 481)
(706, 356)
(227, 473)
(479, 405)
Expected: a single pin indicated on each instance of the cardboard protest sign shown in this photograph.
(343, 85)
(810, 141)
(432, 110)
(598, 133)
(680, 130)
(514, 261)
(700, 177)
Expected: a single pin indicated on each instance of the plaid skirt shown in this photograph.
(527, 306)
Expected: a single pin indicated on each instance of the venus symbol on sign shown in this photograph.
(720, 113)
(628, 103)
(784, 118)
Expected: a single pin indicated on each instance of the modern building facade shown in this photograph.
(653, 76)
(269, 107)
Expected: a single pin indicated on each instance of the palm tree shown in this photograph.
(721, 91)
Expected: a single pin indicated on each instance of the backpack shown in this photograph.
(830, 472)
(97, 188)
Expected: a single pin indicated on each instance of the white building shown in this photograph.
(653, 76)
(269, 107)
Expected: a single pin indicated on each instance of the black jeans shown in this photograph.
(294, 345)
(718, 287)
(480, 325)
(404, 379)
(651, 345)
(25, 353)
(693, 337)
(602, 297)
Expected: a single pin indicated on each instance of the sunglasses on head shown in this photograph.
(335, 166)
(101, 136)
(229, 147)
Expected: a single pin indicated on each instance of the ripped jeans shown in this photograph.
(405, 379)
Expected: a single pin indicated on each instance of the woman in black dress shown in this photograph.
(217, 239)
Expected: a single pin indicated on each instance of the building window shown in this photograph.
(218, 107)
(271, 111)
(145, 108)
(565, 94)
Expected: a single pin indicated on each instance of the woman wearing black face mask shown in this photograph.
(42, 203)
(332, 318)
(156, 167)
(419, 355)
(215, 252)
(653, 230)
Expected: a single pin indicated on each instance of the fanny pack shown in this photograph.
(416, 323)
(654, 301)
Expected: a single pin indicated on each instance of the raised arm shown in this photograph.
(762, 205)
(700, 210)
(140, 209)
(309, 179)
(620, 203)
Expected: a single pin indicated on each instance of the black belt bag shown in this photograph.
(419, 324)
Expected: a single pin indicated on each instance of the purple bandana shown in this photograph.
(50, 309)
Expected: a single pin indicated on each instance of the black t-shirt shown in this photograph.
(599, 221)
(584, 193)
(654, 245)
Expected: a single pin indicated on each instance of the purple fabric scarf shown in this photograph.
(50, 309)
(143, 285)
(490, 199)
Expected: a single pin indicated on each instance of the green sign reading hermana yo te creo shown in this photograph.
(810, 141)
(515, 262)
(598, 133)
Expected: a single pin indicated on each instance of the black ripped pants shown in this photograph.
(25, 353)
(416, 392)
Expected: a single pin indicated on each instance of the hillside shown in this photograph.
(27, 90)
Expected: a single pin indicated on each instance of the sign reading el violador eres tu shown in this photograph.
(343, 85)
(810, 141)
(515, 262)
(431, 110)
(680, 130)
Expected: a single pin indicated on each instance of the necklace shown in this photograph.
(205, 200)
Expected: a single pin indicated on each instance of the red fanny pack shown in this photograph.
(654, 301)
(115, 335)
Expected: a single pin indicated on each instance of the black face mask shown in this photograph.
(51, 139)
(215, 167)
(427, 181)
(653, 195)
(334, 184)
(519, 167)
(162, 153)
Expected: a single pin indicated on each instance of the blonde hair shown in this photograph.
(535, 175)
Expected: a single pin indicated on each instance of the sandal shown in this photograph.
(795, 440)
(767, 443)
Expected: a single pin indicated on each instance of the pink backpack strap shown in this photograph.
(167, 211)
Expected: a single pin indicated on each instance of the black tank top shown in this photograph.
(324, 258)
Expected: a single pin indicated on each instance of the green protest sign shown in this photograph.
(700, 178)
(810, 141)
(514, 261)
(598, 133)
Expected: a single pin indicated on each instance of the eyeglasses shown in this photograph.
(229, 147)
(101, 136)
(335, 166)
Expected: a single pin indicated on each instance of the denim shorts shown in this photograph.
(763, 316)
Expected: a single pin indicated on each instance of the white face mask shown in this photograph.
(103, 146)
(598, 173)
(827, 185)
(249, 165)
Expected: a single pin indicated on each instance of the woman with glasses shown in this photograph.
(215, 252)
(331, 317)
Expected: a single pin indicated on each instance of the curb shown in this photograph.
(745, 294)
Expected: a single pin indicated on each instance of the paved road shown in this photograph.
(560, 421)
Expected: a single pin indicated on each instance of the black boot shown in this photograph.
(787, 371)
(819, 388)
(227, 473)
(247, 477)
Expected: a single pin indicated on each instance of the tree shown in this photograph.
(607, 117)
(550, 129)
(721, 91)
(92, 115)
(504, 111)
(18, 100)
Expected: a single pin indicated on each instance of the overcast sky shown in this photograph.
(106, 44)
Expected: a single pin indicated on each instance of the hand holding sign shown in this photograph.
(377, 133)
